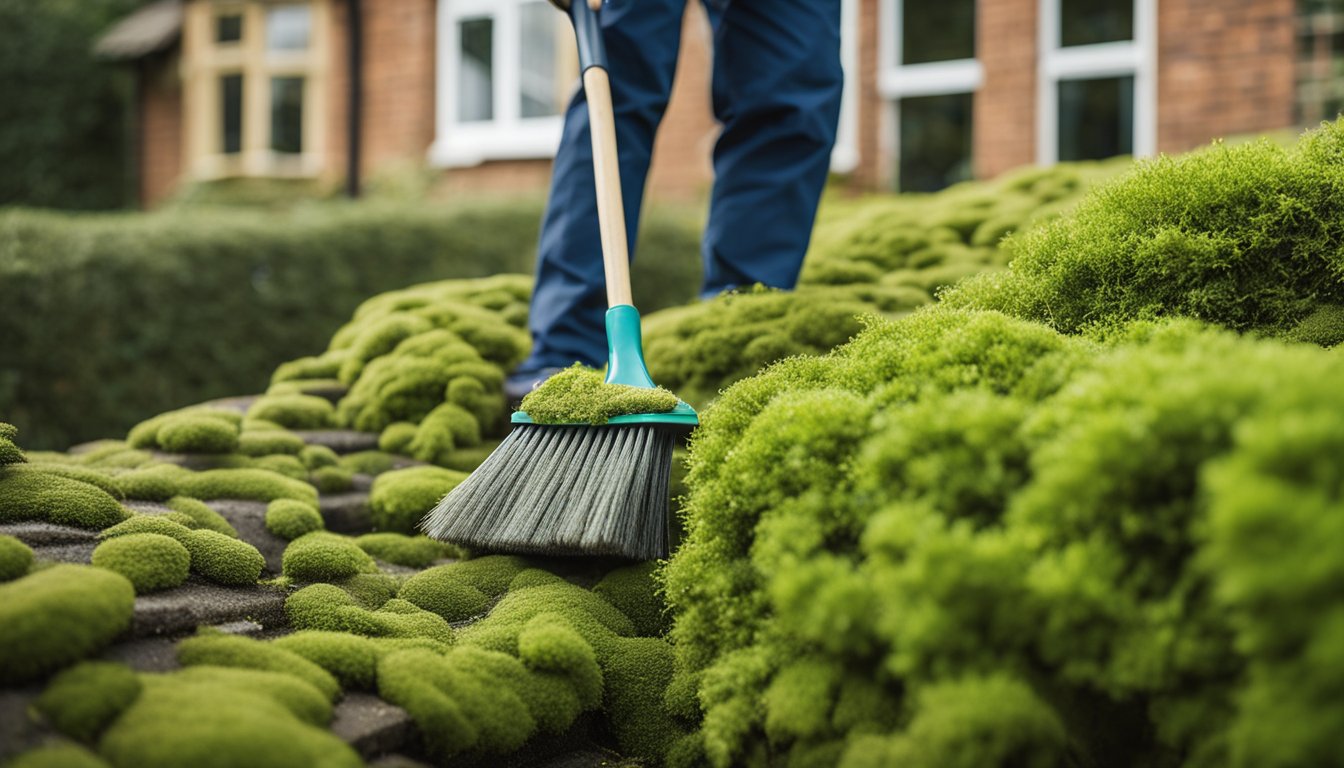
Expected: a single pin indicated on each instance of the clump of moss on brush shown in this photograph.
(579, 395)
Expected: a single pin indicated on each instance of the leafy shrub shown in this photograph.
(83, 700)
(290, 519)
(322, 556)
(400, 498)
(58, 615)
(150, 561)
(15, 558)
(580, 395)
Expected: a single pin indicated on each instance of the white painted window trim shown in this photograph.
(508, 136)
(1137, 57)
(845, 154)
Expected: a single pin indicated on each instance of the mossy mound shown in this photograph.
(53, 498)
(351, 659)
(267, 442)
(579, 395)
(150, 561)
(318, 456)
(401, 498)
(221, 650)
(83, 700)
(191, 430)
(294, 411)
(323, 556)
(10, 453)
(15, 558)
(290, 519)
(224, 560)
(975, 536)
(332, 479)
(161, 482)
(368, 462)
(329, 608)
(58, 615)
(400, 549)
(58, 755)
(1249, 237)
(446, 429)
(194, 513)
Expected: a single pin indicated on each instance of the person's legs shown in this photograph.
(568, 302)
(777, 87)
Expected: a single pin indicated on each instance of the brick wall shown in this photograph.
(1004, 118)
(1224, 67)
(160, 140)
(398, 82)
(876, 159)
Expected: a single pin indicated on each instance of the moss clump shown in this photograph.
(332, 479)
(399, 549)
(162, 525)
(328, 607)
(324, 366)
(83, 700)
(438, 591)
(55, 499)
(221, 650)
(58, 615)
(368, 462)
(351, 659)
(199, 515)
(10, 453)
(58, 756)
(635, 593)
(401, 498)
(579, 395)
(290, 519)
(224, 560)
(192, 430)
(322, 556)
(397, 437)
(164, 481)
(150, 561)
(318, 456)
(294, 411)
(15, 558)
(266, 442)
(95, 477)
(195, 716)
(446, 428)
(282, 464)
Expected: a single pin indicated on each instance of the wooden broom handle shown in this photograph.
(607, 174)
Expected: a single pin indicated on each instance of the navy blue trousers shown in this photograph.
(776, 90)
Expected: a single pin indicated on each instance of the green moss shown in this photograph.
(58, 615)
(401, 498)
(324, 366)
(15, 558)
(318, 456)
(446, 428)
(55, 499)
(157, 524)
(294, 411)
(480, 396)
(83, 700)
(378, 338)
(282, 464)
(222, 650)
(399, 549)
(633, 591)
(328, 607)
(368, 462)
(1324, 327)
(201, 516)
(58, 756)
(438, 591)
(322, 556)
(637, 671)
(191, 430)
(290, 519)
(332, 479)
(254, 442)
(224, 560)
(150, 561)
(370, 590)
(163, 481)
(579, 395)
(84, 474)
(397, 437)
(351, 659)
(195, 716)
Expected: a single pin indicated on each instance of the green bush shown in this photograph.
(290, 519)
(150, 561)
(58, 615)
(172, 290)
(55, 499)
(579, 394)
(322, 556)
(400, 498)
(83, 700)
(15, 558)
(1249, 237)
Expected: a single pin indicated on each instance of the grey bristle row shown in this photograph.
(562, 490)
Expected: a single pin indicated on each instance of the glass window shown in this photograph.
(288, 27)
(537, 89)
(229, 28)
(475, 75)
(937, 30)
(1096, 118)
(935, 141)
(287, 114)
(231, 114)
(1087, 22)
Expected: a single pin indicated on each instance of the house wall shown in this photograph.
(1004, 109)
(160, 129)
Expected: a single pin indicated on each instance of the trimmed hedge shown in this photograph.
(179, 299)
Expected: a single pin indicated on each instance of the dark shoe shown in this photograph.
(519, 383)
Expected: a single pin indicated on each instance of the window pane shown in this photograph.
(537, 72)
(287, 114)
(1085, 22)
(287, 27)
(935, 141)
(231, 114)
(1096, 118)
(937, 30)
(229, 29)
(475, 75)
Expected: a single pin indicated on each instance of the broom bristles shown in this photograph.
(564, 490)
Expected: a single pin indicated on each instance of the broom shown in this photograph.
(580, 489)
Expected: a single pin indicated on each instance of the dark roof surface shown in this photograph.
(149, 30)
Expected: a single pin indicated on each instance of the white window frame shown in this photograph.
(845, 154)
(1137, 57)
(508, 135)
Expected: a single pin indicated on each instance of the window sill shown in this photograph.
(466, 145)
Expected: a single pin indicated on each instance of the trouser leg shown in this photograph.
(777, 88)
(568, 302)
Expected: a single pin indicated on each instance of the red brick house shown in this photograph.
(937, 90)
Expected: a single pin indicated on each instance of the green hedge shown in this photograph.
(109, 319)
